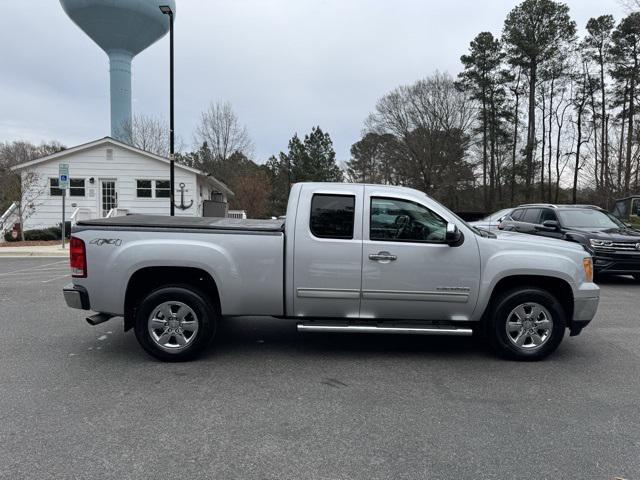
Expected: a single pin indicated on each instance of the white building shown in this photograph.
(107, 178)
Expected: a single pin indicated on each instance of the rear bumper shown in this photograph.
(76, 297)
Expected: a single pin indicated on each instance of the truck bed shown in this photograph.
(163, 222)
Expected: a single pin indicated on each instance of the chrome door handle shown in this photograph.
(384, 256)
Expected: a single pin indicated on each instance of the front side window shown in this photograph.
(398, 220)
(620, 210)
(54, 191)
(531, 215)
(548, 214)
(332, 216)
(76, 187)
(143, 189)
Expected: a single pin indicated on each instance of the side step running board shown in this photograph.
(430, 330)
(98, 318)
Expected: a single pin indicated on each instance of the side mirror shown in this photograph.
(550, 225)
(453, 235)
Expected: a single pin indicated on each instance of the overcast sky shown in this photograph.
(285, 65)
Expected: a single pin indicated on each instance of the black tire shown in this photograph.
(203, 313)
(503, 312)
(636, 277)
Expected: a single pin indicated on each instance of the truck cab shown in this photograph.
(378, 252)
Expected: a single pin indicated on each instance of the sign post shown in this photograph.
(63, 184)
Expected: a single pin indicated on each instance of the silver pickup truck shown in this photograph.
(348, 258)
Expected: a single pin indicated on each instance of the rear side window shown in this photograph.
(332, 216)
(531, 215)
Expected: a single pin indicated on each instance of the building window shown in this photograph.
(163, 188)
(143, 189)
(76, 187)
(54, 191)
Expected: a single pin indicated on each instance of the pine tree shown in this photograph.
(484, 78)
(534, 32)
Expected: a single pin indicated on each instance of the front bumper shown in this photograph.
(585, 306)
(76, 297)
(616, 263)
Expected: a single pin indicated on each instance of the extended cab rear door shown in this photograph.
(328, 251)
(408, 271)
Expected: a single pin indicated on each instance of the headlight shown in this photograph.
(587, 264)
(599, 243)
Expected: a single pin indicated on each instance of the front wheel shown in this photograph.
(526, 323)
(175, 323)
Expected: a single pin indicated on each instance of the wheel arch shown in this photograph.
(145, 280)
(559, 288)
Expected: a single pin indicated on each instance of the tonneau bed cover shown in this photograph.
(188, 223)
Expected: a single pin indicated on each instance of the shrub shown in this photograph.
(42, 234)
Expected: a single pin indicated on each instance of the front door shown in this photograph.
(108, 196)
(408, 270)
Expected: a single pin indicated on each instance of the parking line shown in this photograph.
(34, 267)
(54, 278)
(38, 272)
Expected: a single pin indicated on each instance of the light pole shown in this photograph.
(166, 9)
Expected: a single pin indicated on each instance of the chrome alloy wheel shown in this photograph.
(529, 326)
(173, 326)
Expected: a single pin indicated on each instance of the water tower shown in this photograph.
(122, 28)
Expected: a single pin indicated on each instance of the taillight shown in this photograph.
(77, 258)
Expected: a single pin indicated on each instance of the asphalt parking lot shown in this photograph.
(268, 403)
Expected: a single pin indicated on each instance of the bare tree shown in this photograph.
(14, 153)
(630, 5)
(221, 130)
(432, 123)
(147, 133)
(28, 188)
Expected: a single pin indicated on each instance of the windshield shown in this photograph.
(478, 231)
(588, 218)
(494, 217)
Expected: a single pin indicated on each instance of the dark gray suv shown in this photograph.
(615, 247)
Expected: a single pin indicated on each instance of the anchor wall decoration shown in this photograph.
(182, 206)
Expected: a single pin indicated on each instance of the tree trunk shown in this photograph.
(632, 91)
(621, 146)
(597, 173)
(515, 138)
(603, 135)
(531, 128)
(484, 150)
(544, 143)
(574, 196)
(549, 133)
(557, 185)
(492, 154)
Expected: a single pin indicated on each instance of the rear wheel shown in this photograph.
(175, 323)
(526, 323)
